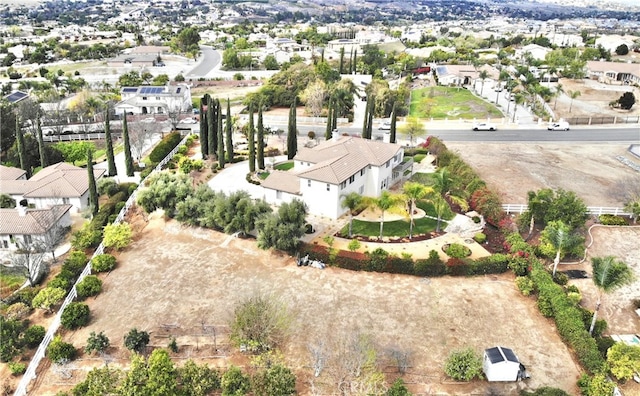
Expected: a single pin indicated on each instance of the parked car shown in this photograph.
(558, 126)
(484, 126)
(385, 126)
(188, 120)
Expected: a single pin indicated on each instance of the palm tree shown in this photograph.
(444, 184)
(519, 99)
(608, 275)
(414, 192)
(440, 205)
(573, 95)
(561, 238)
(483, 76)
(384, 202)
(351, 201)
(559, 91)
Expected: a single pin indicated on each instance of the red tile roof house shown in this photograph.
(57, 184)
(21, 226)
(322, 175)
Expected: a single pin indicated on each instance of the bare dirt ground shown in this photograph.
(590, 170)
(176, 280)
(594, 99)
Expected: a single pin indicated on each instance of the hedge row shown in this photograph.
(568, 319)
(381, 261)
(164, 147)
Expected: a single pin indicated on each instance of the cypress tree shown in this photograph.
(341, 67)
(327, 132)
(44, 161)
(22, 150)
(128, 160)
(370, 122)
(260, 139)
(93, 190)
(212, 123)
(111, 162)
(220, 140)
(251, 142)
(350, 61)
(366, 119)
(355, 61)
(204, 141)
(228, 134)
(292, 134)
(334, 115)
(392, 131)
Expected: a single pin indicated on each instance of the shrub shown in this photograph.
(561, 278)
(91, 285)
(164, 147)
(525, 285)
(354, 245)
(464, 365)
(456, 250)
(234, 382)
(574, 297)
(480, 237)
(75, 262)
(545, 307)
(433, 266)
(519, 265)
(27, 295)
(9, 335)
(117, 236)
(377, 260)
(494, 264)
(75, 315)
(173, 345)
(136, 340)
(545, 391)
(17, 311)
(97, 342)
(48, 297)
(32, 337)
(261, 323)
(17, 368)
(108, 186)
(61, 281)
(103, 263)
(87, 237)
(59, 351)
(609, 219)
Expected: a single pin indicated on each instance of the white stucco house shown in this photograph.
(614, 72)
(322, 175)
(154, 99)
(536, 51)
(21, 226)
(58, 184)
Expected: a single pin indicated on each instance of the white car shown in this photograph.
(385, 126)
(558, 126)
(188, 120)
(484, 126)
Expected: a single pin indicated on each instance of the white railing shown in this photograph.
(30, 373)
(592, 210)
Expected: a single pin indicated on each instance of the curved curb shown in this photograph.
(586, 249)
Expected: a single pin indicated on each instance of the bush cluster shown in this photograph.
(164, 147)
(380, 261)
(609, 219)
(103, 263)
(72, 267)
(75, 315)
(90, 286)
(569, 322)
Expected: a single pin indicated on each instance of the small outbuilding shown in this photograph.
(501, 364)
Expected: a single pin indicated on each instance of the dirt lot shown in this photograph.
(590, 170)
(176, 289)
(594, 99)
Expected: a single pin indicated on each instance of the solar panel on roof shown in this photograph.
(130, 89)
(16, 96)
(508, 353)
(494, 355)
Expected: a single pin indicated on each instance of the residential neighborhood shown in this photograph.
(320, 198)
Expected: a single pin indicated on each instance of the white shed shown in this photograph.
(501, 364)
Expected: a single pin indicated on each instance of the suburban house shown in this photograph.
(21, 226)
(456, 74)
(536, 51)
(11, 173)
(57, 184)
(154, 99)
(614, 72)
(322, 175)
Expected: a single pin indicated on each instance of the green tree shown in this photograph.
(352, 201)
(75, 315)
(260, 153)
(228, 134)
(394, 120)
(22, 150)
(198, 380)
(483, 76)
(186, 41)
(445, 184)
(561, 238)
(251, 142)
(413, 129)
(292, 132)
(117, 236)
(627, 100)
(90, 286)
(111, 163)
(75, 151)
(573, 95)
(130, 79)
(220, 153)
(234, 382)
(59, 351)
(414, 192)
(559, 91)
(464, 365)
(398, 389)
(136, 340)
(135, 380)
(274, 380)
(204, 125)
(6, 202)
(383, 203)
(270, 62)
(162, 374)
(282, 230)
(128, 159)
(100, 381)
(622, 49)
(212, 125)
(48, 297)
(624, 360)
(608, 274)
(97, 342)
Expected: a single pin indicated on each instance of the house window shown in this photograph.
(157, 98)
(5, 244)
(65, 201)
(308, 183)
(362, 172)
(328, 187)
(28, 239)
(144, 98)
(343, 185)
(352, 179)
(387, 164)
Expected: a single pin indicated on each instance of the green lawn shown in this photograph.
(448, 102)
(10, 282)
(398, 228)
(285, 166)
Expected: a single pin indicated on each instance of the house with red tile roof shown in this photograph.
(21, 226)
(322, 175)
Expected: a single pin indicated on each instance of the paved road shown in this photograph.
(209, 60)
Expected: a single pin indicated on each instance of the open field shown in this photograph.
(175, 281)
(446, 102)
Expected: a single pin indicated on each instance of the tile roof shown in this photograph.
(10, 173)
(337, 160)
(283, 181)
(33, 222)
(59, 180)
(618, 67)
